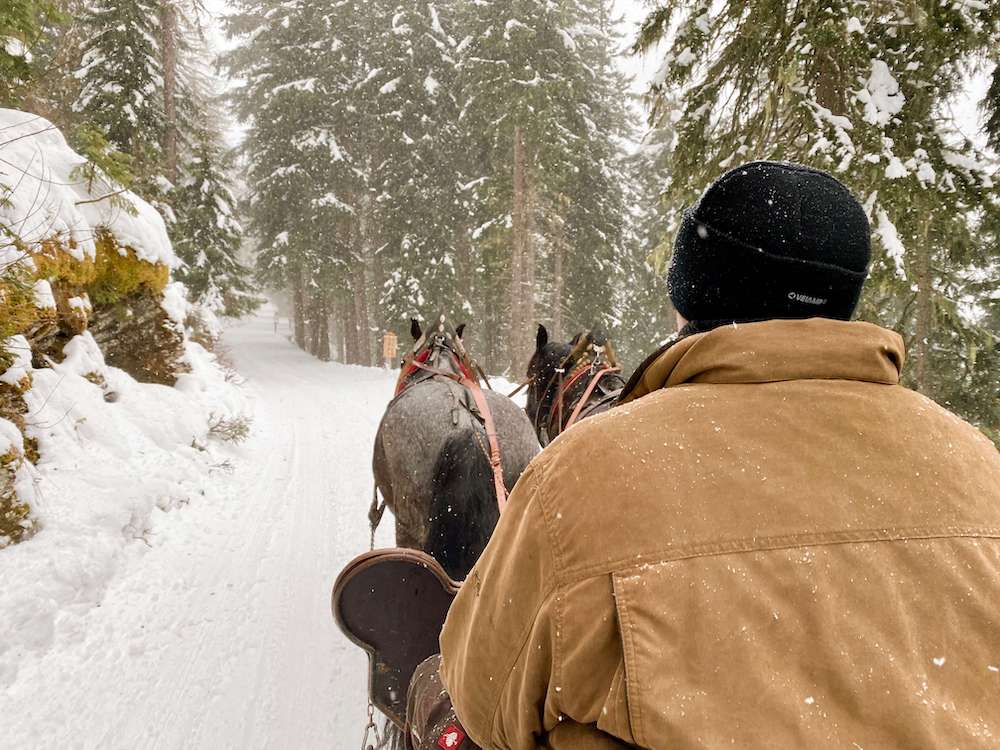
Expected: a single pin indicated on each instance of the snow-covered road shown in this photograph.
(219, 634)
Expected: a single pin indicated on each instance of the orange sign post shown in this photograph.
(390, 344)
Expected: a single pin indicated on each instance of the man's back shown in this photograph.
(781, 548)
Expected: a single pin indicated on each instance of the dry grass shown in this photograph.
(224, 357)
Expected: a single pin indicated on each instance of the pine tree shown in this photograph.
(647, 318)
(299, 64)
(189, 86)
(992, 107)
(594, 182)
(121, 83)
(860, 89)
(22, 23)
(55, 59)
(416, 161)
(208, 235)
(535, 87)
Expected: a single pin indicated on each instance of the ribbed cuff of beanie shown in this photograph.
(714, 276)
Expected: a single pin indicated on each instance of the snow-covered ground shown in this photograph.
(212, 627)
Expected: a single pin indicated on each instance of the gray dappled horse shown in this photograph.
(431, 454)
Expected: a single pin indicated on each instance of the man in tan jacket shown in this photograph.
(769, 544)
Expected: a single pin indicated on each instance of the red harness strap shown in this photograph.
(557, 406)
(491, 431)
(591, 386)
(404, 374)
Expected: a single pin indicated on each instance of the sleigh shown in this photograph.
(393, 603)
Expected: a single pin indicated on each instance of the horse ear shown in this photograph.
(460, 330)
(415, 329)
(541, 338)
(575, 340)
(598, 337)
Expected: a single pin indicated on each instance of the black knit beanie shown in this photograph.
(770, 240)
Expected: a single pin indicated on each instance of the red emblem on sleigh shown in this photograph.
(451, 737)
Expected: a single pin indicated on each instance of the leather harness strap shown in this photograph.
(491, 431)
(591, 386)
(557, 407)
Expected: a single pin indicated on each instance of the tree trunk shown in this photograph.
(528, 317)
(323, 331)
(558, 284)
(925, 309)
(518, 247)
(315, 318)
(168, 31)
(351, 355)
(829, 91)
(361, 281)
(361, 329)
(299, 309)
(336, 330)
(559, 249)
(464, 288)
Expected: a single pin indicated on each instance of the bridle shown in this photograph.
(426, 356)
(587, 359)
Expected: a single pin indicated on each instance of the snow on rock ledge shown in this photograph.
(117, 457)
(46, 199)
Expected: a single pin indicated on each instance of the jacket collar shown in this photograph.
(772, 351)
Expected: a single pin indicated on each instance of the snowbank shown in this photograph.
(46, 198)
(116, 455)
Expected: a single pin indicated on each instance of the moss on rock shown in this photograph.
(120, 274)
(17, 304)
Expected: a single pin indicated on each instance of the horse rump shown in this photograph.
(464, 508)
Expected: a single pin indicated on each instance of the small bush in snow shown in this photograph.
(229, 430)
(16, 523)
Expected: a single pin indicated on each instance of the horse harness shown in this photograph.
(597, 368)
(482, 406)
(467, 378)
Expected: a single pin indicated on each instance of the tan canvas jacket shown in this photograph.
(770, 545)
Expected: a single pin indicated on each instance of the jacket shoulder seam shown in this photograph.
(750, 545)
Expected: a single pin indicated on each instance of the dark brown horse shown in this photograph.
(569, 382)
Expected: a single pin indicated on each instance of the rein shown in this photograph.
(595, 379)
(591, 387)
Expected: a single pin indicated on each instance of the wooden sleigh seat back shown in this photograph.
(393, 603)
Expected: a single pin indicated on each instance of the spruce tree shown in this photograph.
(416, 161)
(207, 234)
(535, 88)
(646, 317)
(56, 54)
(121, 83)
(299, 65)
(22, 23)
(992, 107)
(860, 89)
(594, 180)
